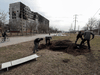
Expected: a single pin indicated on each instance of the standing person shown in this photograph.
(4, 35)
(36, 43)
(79, 36)
(49, 33)
(87, 38)
(47, 38)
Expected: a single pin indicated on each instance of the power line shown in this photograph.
(96, 12)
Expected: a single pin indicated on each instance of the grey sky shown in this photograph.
(60, 12)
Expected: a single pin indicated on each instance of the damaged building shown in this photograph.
(42, 23)
(21, 16)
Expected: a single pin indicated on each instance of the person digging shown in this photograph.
(36, 43)
(79, 35)
(47, 39)
(87, 35)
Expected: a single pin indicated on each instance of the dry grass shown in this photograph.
(50, 62)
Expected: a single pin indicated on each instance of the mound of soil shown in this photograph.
(73, 49)
(65, 46)
(42, 46)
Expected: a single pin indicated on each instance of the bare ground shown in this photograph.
(51, 62)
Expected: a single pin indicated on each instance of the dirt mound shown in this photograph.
(65, 46)
(73, 49)
(42, 46)
(60, 42)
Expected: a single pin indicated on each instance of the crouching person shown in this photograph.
(36, 43)
(47, 39)
(79, 36)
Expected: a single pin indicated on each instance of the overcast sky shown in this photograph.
(61, 12)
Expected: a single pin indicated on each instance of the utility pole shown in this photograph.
(75, 22)
(78, 27)
(99, 29)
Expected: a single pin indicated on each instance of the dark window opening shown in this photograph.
(13, 15)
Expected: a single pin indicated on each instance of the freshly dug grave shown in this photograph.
(65, 46)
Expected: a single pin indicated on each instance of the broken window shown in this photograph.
(34, 17)
(13, 14)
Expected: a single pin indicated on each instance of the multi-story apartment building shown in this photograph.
(20, 16)
(41, 21)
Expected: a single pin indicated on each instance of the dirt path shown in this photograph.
(16, 40)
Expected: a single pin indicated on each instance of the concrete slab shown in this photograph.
(5, 65)
(18, 61)
(25, 59)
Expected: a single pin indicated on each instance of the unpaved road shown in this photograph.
(16, 40)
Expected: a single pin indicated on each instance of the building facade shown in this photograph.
(20, 16)
(42, 22)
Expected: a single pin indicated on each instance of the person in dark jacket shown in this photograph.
(36, 43)
(49, 33)
(87, 35)
(4, 35)
(79, 36)
(47, 39)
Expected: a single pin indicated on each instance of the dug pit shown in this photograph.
(65, 46)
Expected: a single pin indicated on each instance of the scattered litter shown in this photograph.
(66, 60)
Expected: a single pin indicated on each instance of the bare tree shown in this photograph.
(50, 29)
(71, 28)
(31, 26)
(91, 23)
(53, 30)
(3, 17)
(85, 28)
(41, 28)
(14, 26)
(98, 27)
(97, 24)
(1, 23)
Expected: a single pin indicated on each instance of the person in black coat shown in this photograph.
(4, 35)
(79, 36)
(47, 39)
(36, 43)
